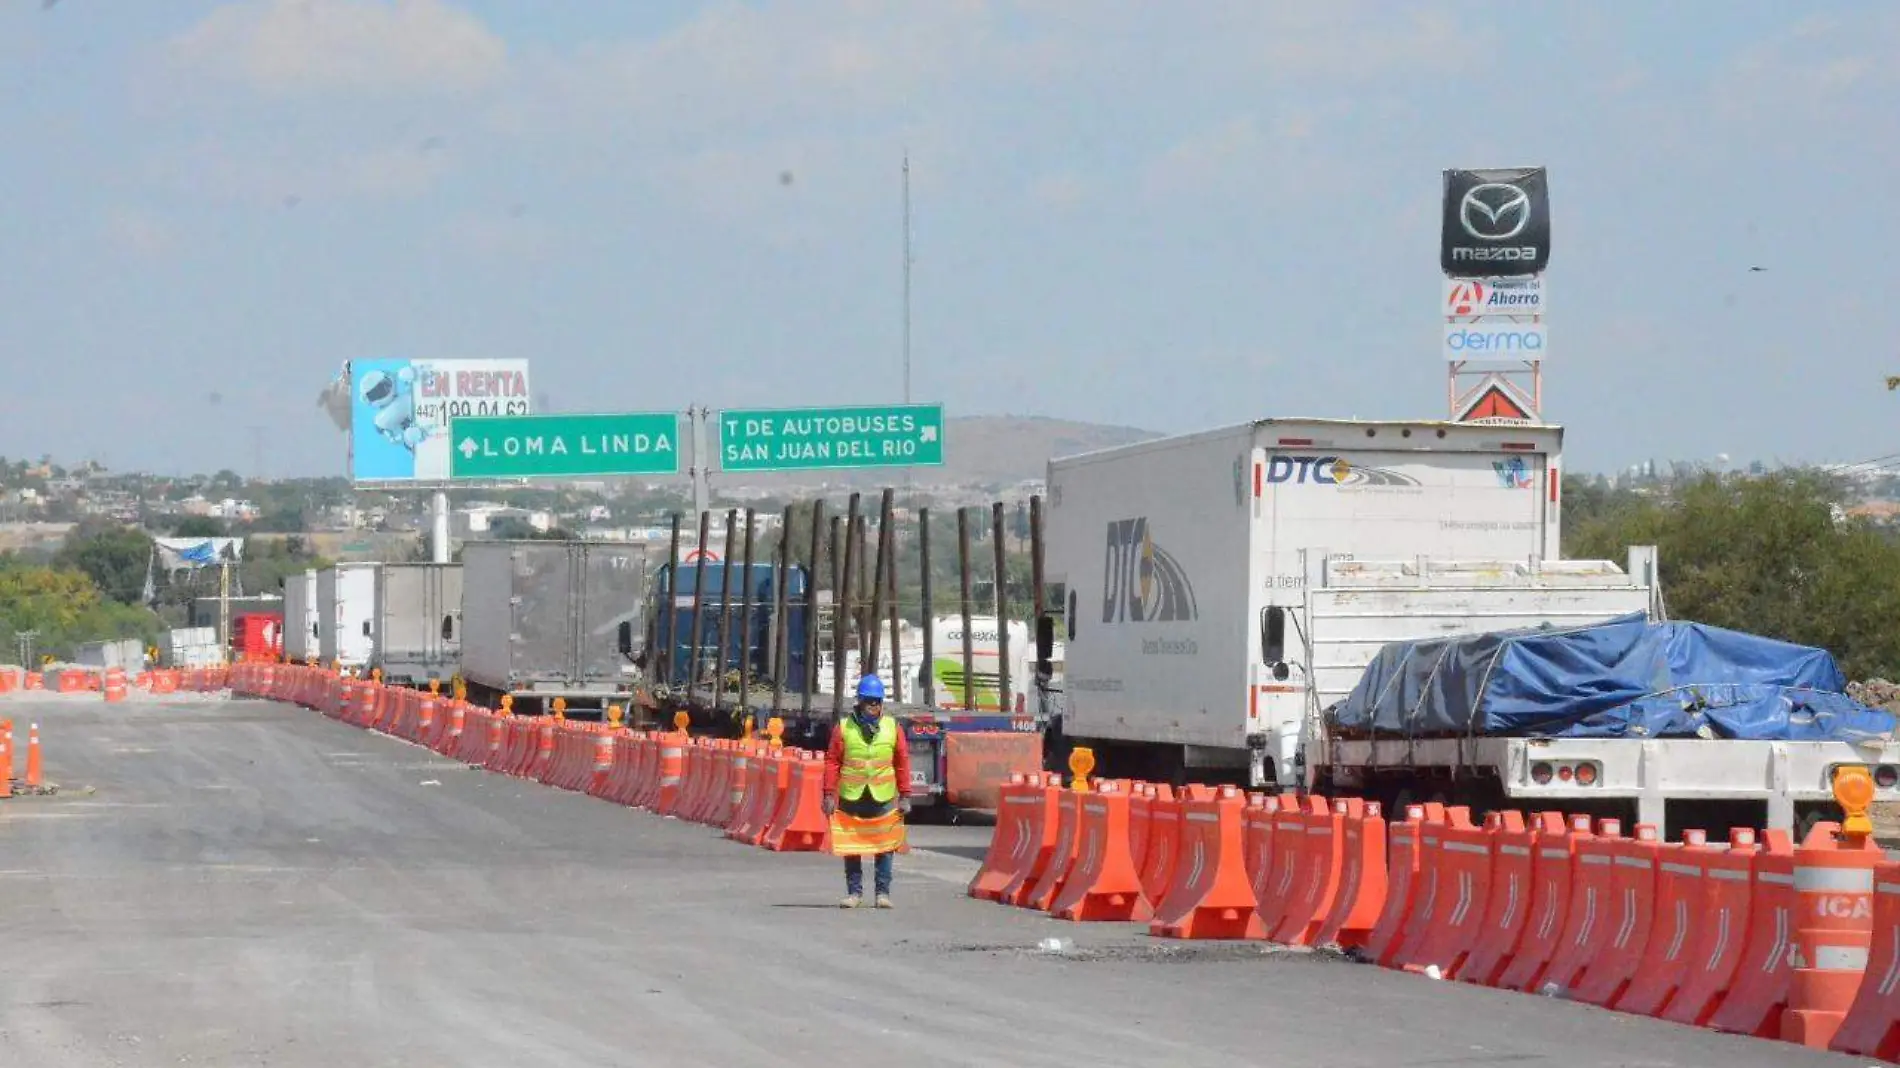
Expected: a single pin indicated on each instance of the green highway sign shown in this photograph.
(795, 439)
(557, 446)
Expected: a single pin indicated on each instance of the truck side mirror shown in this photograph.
(626, 637)
(1273, 639)
(366, 628)
(448, 628)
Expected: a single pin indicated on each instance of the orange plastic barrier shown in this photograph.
(737, 771)
(1042, 816)
(1681, 890)
(1402, 882)
(801, 825)
(1553, 873)
(1104, 884)
(1164, 839)
(1507, 908)
(1720, 932)
(1872, 1025)
(1281, 854)
(1321, 848)
(1256, 850)
(1141, 797)
(1632, 908)
(1759, 991)
(1018, 834)
(1362, 876)
(1587, 920)
(1462, 886)
(749, 824)
(1833, 932)
(1041, 894)
(672, 769)
(1432, 870)
(1209, 896)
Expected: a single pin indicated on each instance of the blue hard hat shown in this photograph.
(870, 688)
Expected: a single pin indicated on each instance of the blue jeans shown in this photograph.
(854, 874)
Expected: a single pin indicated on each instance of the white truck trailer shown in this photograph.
(346, 600)
(416, 626)
(1221, 590)
(301, 630)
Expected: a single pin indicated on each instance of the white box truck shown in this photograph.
(346, 599)
(416, 627)
(301, 636)
(1221, 590)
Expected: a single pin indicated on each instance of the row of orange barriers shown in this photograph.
(755, 792)
(1753, 936)
(113, 683)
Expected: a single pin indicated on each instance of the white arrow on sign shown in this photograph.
(468, 448)
(929, 434)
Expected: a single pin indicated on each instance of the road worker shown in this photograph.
(867, 787)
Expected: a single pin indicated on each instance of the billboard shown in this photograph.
(1467, 298)
(400, 412)
(1495, 341)
(1496, 223)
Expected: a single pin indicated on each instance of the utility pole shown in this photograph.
(908, 472)
(25, 640)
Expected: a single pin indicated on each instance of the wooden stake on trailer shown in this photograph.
(781, 661)
(843, 606)
(725, 608)
(865, 620)
(897, 655)
(876, 620)
(745, 618)
(667, 613)
(928, 695)
(811, 610)
(1043, 666)
(1003, 692)
(963, 574)
(837, 618)
(693, 652)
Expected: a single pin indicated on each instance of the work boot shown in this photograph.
(884, 901)
(850, 901)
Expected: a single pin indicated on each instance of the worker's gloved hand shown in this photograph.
(903, 805)
(829, 804)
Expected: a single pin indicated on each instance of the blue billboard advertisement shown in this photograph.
(400, 411)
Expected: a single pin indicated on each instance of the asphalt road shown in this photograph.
(238, 883)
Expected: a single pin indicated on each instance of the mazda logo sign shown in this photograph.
(1494, 211)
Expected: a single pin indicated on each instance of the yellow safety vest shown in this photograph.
(869, 764)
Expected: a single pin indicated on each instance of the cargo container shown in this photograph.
(346, 599)
(190, 647)
(758, 645)
(300, 617)
(416, 626)
(548, 619)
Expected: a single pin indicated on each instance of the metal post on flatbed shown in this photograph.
(928, 692)
(699, 603)
(781, 658)
(969, 644)
(837, 618)
(1040, 598)
(745, 619)
(1003, 693)
(863, 587)
(811, 609)
(844, 591)
(725, 608)
(876, 621)
(669, 610)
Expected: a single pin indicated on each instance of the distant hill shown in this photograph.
(981, 450)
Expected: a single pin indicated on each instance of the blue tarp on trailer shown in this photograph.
(1624, 678)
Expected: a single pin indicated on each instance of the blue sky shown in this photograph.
(1171, 216)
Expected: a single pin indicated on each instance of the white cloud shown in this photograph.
(288, 176)
(360, 46)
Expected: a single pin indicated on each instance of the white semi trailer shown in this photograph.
(1221, 590)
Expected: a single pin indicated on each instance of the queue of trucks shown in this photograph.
(1301, 604)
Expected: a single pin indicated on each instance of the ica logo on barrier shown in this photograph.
(1141, 582)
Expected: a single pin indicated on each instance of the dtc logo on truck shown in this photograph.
(1331, 471)
(1141, 582)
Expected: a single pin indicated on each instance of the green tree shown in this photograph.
(112, 555)
(198, 526)
(1773, 555)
